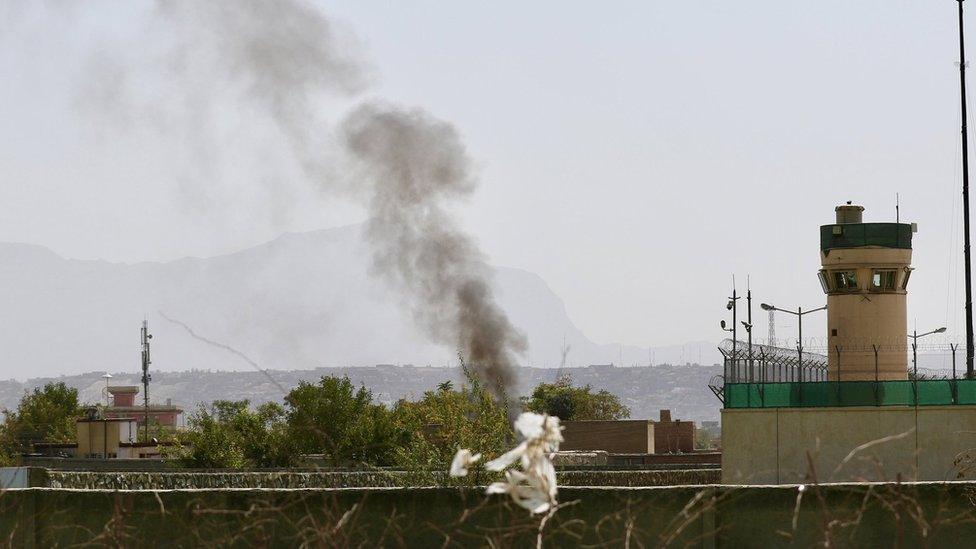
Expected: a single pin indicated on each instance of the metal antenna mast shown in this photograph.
(965, 199)
(146, 378)
(772, 329)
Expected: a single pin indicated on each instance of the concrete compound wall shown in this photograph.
(793, 445)
(907, 515)
(23, 477)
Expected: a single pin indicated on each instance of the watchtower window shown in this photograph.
(824, 281)
(904, 281)
(845, 280)
(883, 280)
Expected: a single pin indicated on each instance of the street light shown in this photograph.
(915, 335)
(799, 312)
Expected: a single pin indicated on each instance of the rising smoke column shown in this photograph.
(280, 60)
(414, 166)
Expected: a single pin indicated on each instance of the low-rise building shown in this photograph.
(99, 437)
(626, 436)
(631, 436)
(123, 405)
(673, 436)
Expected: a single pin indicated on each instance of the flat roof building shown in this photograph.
(123, 404)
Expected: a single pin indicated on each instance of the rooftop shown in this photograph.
(856, 235)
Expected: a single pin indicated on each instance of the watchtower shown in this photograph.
(865, 272)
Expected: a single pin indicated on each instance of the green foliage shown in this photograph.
(445, 420)
(568, 403)
(228, 434)
(342, 423)
(47, 414)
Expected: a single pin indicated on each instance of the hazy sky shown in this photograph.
(633, 154)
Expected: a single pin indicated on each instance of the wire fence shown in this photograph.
(856, 374)
(743, 363)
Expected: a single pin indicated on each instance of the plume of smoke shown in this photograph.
(282, 55)
(414, 165)
(219, 80)
(278, 59)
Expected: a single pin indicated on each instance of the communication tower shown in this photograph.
(146, 378)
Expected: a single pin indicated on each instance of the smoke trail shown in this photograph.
(414, 165)
(225, 347)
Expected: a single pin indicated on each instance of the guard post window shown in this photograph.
(845, 280)
(824, 281)
(883, 280)
(904, 281)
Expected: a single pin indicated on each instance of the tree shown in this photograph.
(44, 415)
(342, 423)
(563, 400)
(445, 386)
(229, 434)
(445, 420)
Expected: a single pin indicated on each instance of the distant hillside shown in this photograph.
(682, 389)
(301, 301)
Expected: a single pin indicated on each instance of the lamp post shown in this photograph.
(799, 312)
(915, 335)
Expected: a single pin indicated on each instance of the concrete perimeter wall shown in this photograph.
(26, 477)
(880, 515)
(793, 445)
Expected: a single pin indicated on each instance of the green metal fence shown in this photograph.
(939, 392)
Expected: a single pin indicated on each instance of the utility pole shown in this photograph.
(799, 342)
(732, 306)
(965, 199)
(735, 339)
(146, 378)
(749, 325)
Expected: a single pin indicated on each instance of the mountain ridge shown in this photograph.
(301, 300)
